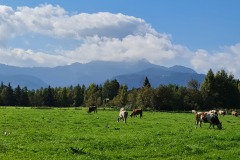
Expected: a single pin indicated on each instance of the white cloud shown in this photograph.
(29, 58)
(227, 59)
(9, 25)
(156, 49)
(55, 21)
(98, 36)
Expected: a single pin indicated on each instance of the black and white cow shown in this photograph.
(207, 117)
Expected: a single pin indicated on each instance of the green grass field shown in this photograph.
(74, 134)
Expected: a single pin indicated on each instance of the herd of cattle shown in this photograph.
(211, 117)
(123, 114)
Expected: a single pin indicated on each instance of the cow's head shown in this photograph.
(90, 109)
(219, 125)
(131, 115)
(215, 121)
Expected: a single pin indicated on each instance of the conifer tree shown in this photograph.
(146, 83)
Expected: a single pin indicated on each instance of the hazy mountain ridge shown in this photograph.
(161, 76)
(22, 80)
(130, 73)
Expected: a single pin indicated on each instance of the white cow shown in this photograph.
(122, 115)
(234, 113)
(214, 111)
(221, 112)
(207, 117)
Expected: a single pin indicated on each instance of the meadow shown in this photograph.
(69, 134)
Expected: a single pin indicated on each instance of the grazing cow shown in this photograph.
(221, 112)
(207, 117)
(234, 113)
(194, 111)
(92, 109)
(135, 112)
(122, 115)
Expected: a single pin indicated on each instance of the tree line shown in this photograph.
(218, 90)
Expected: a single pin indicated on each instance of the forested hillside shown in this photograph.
(218, 90)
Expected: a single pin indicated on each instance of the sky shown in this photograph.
(201, 35)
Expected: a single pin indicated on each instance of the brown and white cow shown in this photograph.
(207, 117)
(123, 114)
(92, 109)
(136, 112)
(221, 112)
(234, 113)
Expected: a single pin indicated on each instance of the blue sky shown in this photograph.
(197, 34)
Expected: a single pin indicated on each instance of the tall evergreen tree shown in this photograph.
(64, 102)
(220, 90)
(1, 89)
(24, 97)
(208, 90)
(226, 90)
(8, 96)
(48, 97)
(146, 83)
(17, 95)
(78, 96)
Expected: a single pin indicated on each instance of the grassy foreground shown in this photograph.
(74, 134)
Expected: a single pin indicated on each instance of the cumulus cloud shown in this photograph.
(156, 49)
(228, 59)
(55, 21)
(29, 58)
(97, 36)
(9, 24)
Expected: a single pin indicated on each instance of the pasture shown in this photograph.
(74, 134)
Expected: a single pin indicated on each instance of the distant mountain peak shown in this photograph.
(178, 68)
(143, 60)
(131, 73)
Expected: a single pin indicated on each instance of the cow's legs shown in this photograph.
(119, 118)
(196, 123)
(211, 125)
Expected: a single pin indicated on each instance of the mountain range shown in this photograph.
(132, 74)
